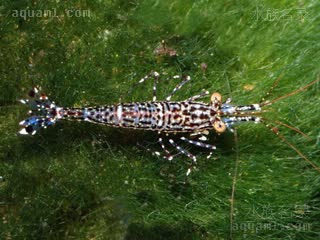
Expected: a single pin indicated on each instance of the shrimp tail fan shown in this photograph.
(43, 111)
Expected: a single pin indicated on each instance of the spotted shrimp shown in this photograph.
(190, 116)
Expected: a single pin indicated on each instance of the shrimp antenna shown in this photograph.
(289, 126)
(266, 103)
(276, 132)
(276, 82)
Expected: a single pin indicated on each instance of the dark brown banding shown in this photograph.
(161, 116)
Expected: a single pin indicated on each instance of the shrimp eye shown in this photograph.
(216, 97)
(219, 126)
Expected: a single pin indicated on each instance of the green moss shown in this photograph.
(78, 180)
